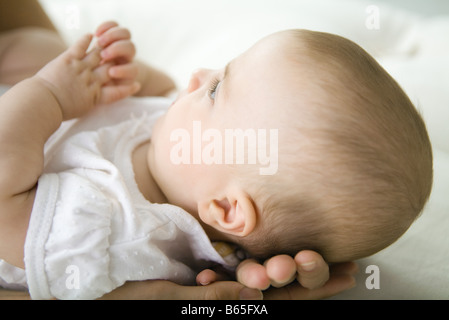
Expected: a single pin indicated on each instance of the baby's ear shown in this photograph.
(234, 214)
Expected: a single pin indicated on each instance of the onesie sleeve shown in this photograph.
(66, 248)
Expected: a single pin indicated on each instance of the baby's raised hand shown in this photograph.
(117, 51)
(79, 80)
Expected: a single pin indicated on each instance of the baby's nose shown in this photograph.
(197, 78)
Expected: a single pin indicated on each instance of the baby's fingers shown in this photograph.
(122, 49)
(102, 73)
(92, 58)
(124, 71)
(105, 26)
(112, 35)
(79, 48)
(117, 92)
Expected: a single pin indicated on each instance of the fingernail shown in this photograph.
(308, 266)
(250, 294)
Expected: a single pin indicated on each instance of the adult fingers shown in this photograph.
(281, 270)
(336, 284)
(206, 277)
(209, 276)
(252, 274)
(313, 271)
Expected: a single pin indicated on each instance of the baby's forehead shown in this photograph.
(270, 73)
(269, 54)
(275, 43)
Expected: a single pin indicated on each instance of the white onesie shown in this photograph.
(91, 229)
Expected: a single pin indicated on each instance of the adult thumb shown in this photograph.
(166, 290)
(227, 290)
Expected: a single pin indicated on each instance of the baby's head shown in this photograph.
(353, 158)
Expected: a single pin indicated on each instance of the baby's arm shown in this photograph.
(68, 87)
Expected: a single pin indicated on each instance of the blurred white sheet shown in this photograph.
(179, 36)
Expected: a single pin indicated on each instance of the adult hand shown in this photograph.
(314, 280)
(166, 290)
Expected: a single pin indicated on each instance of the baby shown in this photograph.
(108, 203)
(355, 161)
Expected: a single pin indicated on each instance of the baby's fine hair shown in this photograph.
(356, 171)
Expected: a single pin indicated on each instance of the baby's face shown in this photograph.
(188, 156)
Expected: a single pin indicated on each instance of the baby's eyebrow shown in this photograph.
(226, 74)
(227, 70)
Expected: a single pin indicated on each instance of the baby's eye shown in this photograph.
(215, 84)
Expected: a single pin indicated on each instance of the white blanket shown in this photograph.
(179, 36)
